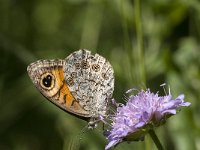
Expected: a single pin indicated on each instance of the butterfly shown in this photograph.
(82, 84)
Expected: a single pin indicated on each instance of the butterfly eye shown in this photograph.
(47, 81)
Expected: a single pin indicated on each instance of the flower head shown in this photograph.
(142, 112)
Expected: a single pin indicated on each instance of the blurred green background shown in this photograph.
(44, 29)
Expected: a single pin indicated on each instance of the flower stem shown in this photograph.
(139, 52)
(156, 140)
(127, 40)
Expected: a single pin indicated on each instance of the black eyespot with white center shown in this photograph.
(47, 81)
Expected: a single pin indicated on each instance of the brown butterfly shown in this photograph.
(82, 84)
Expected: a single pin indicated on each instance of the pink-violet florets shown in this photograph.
(142, 112)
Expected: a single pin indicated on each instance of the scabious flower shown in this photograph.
(141, 113)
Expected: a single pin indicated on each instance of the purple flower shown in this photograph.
(141, 113)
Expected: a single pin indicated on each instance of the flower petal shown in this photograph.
(141, 112)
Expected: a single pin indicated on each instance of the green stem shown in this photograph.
(127, 41)
(139, 52)
(156, 140)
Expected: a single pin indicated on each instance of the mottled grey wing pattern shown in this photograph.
(90, 78)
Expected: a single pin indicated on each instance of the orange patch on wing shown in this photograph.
(69, 98)
(64, 90)
(65, 95)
